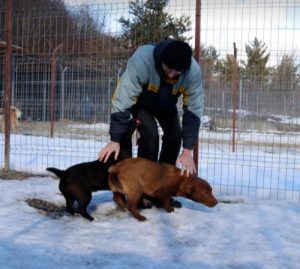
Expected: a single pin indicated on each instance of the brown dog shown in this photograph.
(134, 177)
(79, 181)
(15, 116)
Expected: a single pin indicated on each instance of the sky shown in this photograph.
(277, 23)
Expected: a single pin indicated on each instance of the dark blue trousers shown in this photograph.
(148, 143)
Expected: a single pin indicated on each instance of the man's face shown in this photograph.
(169, 72)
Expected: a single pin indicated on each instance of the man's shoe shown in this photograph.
(175, 203)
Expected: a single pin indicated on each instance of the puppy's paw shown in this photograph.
(141, 218)
(90, 218)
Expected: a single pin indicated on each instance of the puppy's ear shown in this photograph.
(190, 189)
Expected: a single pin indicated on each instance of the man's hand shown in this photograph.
(109, 149)
(186, 162)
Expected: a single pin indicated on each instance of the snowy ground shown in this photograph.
(246, 230)
(243, 234)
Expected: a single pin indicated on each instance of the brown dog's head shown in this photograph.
(199, 191)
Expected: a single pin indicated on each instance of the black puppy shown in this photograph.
(79, 181)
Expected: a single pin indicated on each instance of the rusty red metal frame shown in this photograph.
(52, 93)
(234, 95)
(197, 57)
(8, 28)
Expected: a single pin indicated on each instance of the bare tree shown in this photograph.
(40, 26)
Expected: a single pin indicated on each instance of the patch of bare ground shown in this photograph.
(46, 208)
(12, 174)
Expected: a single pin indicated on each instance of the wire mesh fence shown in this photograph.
(79, 49)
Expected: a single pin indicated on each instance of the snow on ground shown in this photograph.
(244, 234)
(246, 230)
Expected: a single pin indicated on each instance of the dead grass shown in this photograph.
(12, 174)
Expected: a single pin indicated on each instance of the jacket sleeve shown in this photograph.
(193, 99)
(128, 89)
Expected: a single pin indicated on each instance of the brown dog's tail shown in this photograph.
(113, 181)
(62, 174)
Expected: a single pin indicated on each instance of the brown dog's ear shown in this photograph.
(186, 187)
(189, 188)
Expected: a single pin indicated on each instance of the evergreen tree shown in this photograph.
(285, 76)
(225, 68)
(255, 68)
(150, 23)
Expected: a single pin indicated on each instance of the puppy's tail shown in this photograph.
(113, 169)
(59, 173)
(114, 183)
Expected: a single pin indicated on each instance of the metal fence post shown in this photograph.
(8, 26)
(197, 56)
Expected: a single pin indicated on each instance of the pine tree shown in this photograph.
(225, 68)
(209, 60)
(285, 77)
(255, 68)
(149, 23)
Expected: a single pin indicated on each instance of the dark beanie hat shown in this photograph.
(177, 55)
